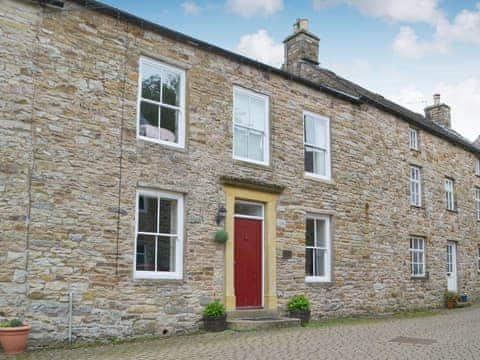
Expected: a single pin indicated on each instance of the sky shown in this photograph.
(405, 50)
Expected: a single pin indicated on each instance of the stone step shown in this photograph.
(260, 323)
(252, 313)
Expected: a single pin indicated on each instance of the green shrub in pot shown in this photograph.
(299, 307)
(215, 317)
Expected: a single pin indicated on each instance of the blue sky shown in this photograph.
(405, 50)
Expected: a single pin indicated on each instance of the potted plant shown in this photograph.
(215, 317)
(221, 237)
(299, 308)
(451, 299)
(13, 336)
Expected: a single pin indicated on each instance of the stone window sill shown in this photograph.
(145, 142)
(423, 277)
(454, 211)
(265, 167)
(417, 207)
(157, 282)
(319, 283)
(306, 176)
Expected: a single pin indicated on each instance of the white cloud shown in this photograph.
(465, 28)
(462, 96)
(262, 47)
(250, 8)
(396, 10)
(407, 45)
(191, 8)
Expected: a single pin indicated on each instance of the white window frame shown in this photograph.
(178, 273)
(477, 202)
(417, 250)
(328, 248)
(478, 258)
(450, 194)
(328, 171)
(181, 108)
(415, 186)
(477, 167)
(266, 135)
(414, 143)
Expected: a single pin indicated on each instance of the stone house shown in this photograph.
(123, 142)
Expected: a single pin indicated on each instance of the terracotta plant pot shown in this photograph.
(14, 339)
(304, 316)
(451, 304)
(215, 323)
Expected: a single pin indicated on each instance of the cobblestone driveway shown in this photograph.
(456, 335)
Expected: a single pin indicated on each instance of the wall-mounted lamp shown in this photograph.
(220, 215)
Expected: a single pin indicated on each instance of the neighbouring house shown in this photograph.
(123, 143)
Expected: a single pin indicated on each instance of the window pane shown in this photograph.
(255, 146)
(166, 253)
(310, 233)
(315, 161)
(171, 88)
(319, 262)
(148, 120)
(420, 269)
(145, 253)
(257, 113)
(168, 216)
(147, 218)
(241, 142)
(248, 209)
(309, 262)
(241, 109)
(151, 80)
(315, 131)
(169, 124)
(321, 240)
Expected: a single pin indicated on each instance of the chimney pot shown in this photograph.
(300, 25)
(436, 99)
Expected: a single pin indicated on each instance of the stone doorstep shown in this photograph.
(463, 304)
(256, 319)
(252, 313)
(261, 323)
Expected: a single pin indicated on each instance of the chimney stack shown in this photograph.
(300, 47)
(438, 113)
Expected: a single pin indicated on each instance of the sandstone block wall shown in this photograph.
(71, 164)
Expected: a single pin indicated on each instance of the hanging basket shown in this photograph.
(221, 237)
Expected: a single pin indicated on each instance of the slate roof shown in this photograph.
(330, 83)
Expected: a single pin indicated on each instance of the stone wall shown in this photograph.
(71, 160)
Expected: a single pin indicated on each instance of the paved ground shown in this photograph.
(448, 335)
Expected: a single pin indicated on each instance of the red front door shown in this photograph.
(248, 263)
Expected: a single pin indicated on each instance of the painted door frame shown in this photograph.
(269, 201)
(453, 246)
(262, 219)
